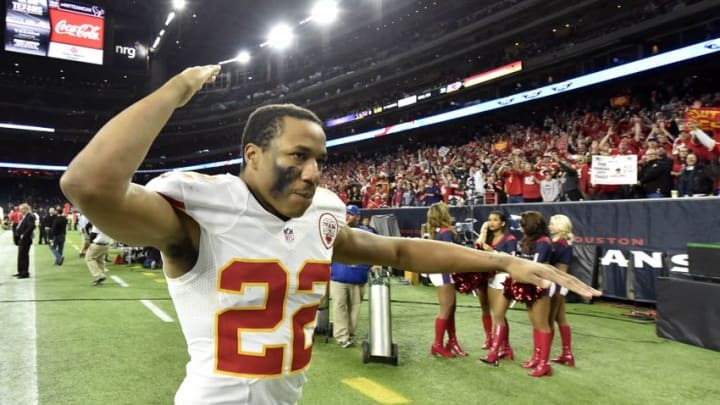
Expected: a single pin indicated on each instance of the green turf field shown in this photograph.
(101, 345)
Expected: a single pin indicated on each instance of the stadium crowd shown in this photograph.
(550, 161)
(542, 161)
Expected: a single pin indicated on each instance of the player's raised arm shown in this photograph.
(98, 180)
(426, 256)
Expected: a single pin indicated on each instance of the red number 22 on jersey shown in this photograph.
(231, 323)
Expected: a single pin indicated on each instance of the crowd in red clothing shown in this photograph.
(548, 162)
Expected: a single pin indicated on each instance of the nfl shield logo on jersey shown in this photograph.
(328, 229)
(289, 234)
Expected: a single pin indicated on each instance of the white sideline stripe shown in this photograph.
(120, 281)
(157, 311)
(18, 340)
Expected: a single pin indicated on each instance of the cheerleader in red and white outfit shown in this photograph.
(561, 257)
(535, 245)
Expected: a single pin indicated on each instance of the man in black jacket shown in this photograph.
(58, 230)
(44, 228)
(655, 176)
(570, 187)
(24, 233)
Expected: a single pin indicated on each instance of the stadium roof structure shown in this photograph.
(75, 99)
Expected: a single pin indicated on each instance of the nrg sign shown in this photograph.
(131, 52)
(128, 51)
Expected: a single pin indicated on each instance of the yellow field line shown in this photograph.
(375, 391)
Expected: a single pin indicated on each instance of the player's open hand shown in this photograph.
(542, 275)
(191, 80)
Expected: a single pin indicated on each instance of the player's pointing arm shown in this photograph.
(427, 256)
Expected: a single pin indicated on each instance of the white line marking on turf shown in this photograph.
(157, 311)
(18, 341)
(120, 281)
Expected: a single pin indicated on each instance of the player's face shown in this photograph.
(289, 169)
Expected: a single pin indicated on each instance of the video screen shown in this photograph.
(67, 30)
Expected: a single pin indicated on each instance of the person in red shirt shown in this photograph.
(343, 196)
(679, 155)
(583, 169)
(15, 216)
(625, 147)
(531, 184)
(513, 182)
(711, 145)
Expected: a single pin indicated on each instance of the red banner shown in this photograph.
(619, 101)
(707, 118)
(76, 29)
(500, 146)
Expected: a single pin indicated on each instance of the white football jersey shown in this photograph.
(247, 308)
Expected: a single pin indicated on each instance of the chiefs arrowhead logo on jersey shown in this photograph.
(328, 229)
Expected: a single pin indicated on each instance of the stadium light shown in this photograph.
(280, 37)
(178, 4)
(169, 18)
(324, 12)
(242, 57)
(35, 128)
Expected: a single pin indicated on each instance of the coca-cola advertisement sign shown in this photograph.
(84, 31)
(75, 28)
(58, 29)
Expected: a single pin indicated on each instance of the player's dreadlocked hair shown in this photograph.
(265, 123)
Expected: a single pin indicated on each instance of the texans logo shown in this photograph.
(532, 95)
(562, 86)
(97, 11)
(506, 101)
(713, 45)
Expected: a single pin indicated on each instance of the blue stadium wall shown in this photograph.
(622, 246)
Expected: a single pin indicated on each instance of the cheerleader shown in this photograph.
(494, 237)
(440, 227)
(561, 257)
(535, 245)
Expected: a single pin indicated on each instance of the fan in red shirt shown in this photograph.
(15, 216)
(513, 182)
(707, 147)
(531, 184)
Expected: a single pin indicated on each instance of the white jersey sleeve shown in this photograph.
(200, 196)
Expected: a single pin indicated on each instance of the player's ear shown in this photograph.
(251, 155)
